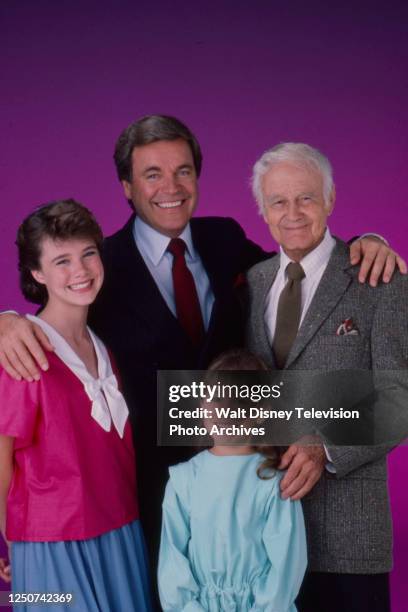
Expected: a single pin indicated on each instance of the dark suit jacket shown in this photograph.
(133, 319)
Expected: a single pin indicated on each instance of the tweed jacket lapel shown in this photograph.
(262, 285)
(330, 290)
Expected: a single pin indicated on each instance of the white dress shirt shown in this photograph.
(314, 264)
(153, 248)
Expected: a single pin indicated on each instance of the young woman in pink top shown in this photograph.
(68, 506)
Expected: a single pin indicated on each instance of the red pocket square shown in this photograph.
(347, 328)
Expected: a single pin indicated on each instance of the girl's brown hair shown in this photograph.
(242, 359)
(60, 220)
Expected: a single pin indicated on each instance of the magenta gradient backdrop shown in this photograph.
(74, 74)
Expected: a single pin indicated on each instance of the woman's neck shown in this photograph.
(70, 323)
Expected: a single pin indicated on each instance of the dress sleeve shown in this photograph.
(178, 589)
(18, 409)
(284, 539)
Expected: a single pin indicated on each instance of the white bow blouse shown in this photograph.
(108, 404)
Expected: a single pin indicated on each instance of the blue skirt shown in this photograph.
(104, 574)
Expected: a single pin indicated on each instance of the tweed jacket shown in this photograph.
(347, 514)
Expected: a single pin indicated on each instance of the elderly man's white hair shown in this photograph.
(296, 153)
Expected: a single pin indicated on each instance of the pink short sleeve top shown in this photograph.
(72, 479)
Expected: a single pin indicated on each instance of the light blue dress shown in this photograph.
(229, 542)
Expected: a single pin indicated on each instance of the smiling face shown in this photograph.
(294, 207)
(71, 270)
(163, 188)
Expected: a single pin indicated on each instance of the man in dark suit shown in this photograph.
(158, 161)
(309, 312)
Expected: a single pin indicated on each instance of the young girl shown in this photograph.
(68, 503)
(229, 541)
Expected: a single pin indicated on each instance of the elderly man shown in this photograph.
(168, 300)
(309, 312)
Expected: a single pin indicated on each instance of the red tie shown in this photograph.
(185, 293)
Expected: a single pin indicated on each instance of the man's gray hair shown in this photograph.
(296, 153)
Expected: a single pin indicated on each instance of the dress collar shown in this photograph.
(108, 404)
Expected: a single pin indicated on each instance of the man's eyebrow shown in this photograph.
(159, 169)
(189, 166)
(274, 196)
(307, 193)
(152, 169)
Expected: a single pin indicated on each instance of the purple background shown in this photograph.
(74, 74)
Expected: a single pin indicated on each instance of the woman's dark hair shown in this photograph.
(146, 130)
(242, 359)
(60, 220)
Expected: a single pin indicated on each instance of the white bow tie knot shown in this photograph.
(108, 403)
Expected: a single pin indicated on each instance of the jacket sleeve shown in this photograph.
(248, 253)
(389, 350)
(285, 543)
(178, 587)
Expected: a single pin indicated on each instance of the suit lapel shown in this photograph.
(209, 257)
(144, 297)
(150, 304)
(264, 283)
(330, 290)
(214, 269)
